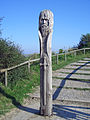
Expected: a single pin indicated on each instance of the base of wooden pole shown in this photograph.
(43, 112)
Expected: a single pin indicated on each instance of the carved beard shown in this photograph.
(44, 30)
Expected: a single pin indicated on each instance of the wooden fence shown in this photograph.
(30, 61)
(13, 67)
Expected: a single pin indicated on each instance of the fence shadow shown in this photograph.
(71, 112)
(56, 93)
(17, 104)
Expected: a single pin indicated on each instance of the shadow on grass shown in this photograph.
(56, 93)
(71, 112)
(17, 104)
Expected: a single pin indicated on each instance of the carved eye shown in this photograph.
(41, 20)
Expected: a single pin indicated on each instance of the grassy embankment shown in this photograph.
(12, 97)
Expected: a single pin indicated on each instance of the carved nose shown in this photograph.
(43, 21)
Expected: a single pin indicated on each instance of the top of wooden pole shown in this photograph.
(45, 22)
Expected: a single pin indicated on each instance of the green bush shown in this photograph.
(60, 51)
(11, 55)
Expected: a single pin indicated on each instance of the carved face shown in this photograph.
(45, 22)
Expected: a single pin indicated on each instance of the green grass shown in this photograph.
(70, 59)
(12, 95)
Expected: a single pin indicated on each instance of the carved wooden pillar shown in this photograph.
(45, 37)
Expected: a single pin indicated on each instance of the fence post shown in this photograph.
(6, 78)
(57, 58)
(65, 56)
(75, 53)
(84, 51)
(29, 66)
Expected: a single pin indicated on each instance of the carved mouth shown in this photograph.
(44, 25)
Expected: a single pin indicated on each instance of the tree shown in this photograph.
(60, 51)
(84, 41)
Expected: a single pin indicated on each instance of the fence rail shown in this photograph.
(30, 61)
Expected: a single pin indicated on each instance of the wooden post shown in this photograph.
(75, 53)
(45, 37)
(65, 56)
(29, 66)
(57, 58)
(6, 78)
(84, 51)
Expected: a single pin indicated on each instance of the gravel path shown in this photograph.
(79, 64)
(71, 98)
(70, 71)
(73, 76)
(71, 83)
(88, 59)
(75, 67)
(83, 61)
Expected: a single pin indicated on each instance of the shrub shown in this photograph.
(10, 55)
(60, 51)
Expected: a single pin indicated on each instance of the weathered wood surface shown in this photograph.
(81, 64)
(71, 70)
(6, 74)
(76, 67)
(73, 76)
(21, 64)
(71, 83)
(45, 37)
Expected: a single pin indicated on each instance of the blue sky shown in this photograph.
(71, 19)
